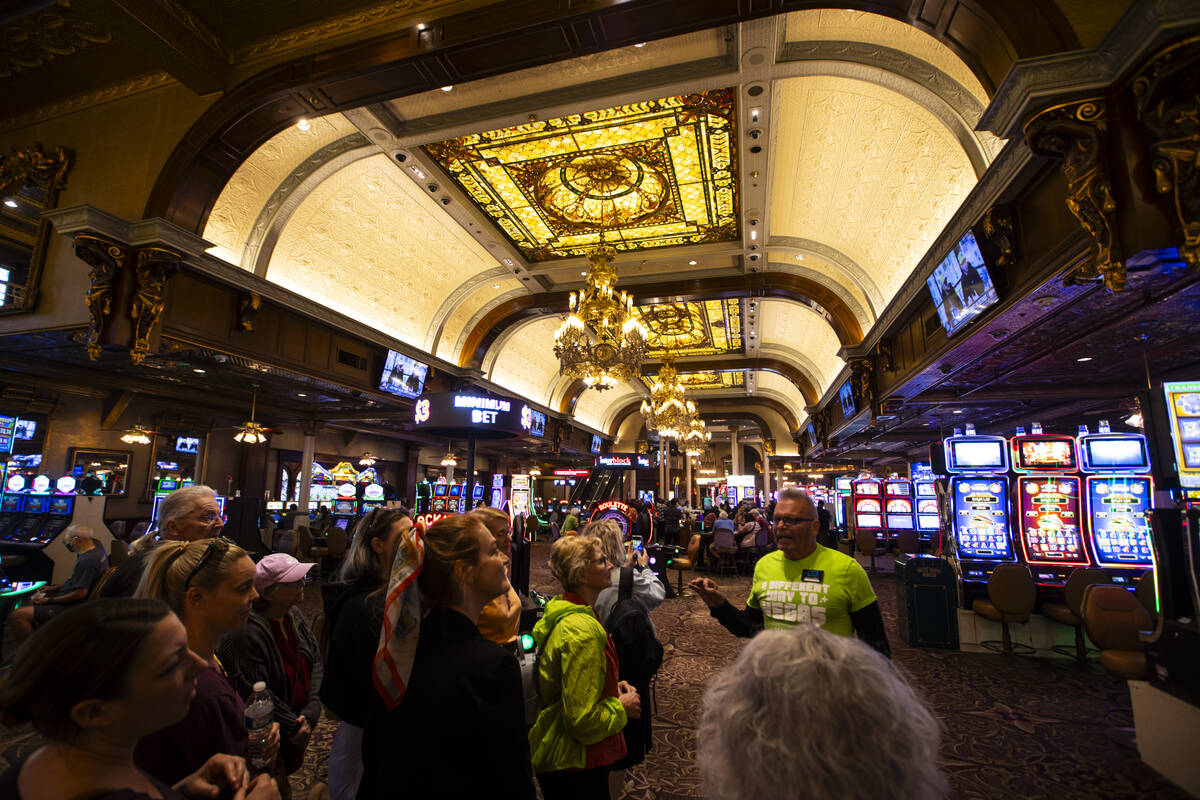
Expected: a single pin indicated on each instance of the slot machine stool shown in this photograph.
(1070, 613)
(1011, 595)
(1114, 620)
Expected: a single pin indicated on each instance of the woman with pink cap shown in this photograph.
(277, 647)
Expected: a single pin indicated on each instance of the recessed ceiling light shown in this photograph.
(301, 394)
(799, 256)
(198, 371)
(583, 273)
(957, 411)
(10, 202)
(640, 44)
(1085, 358)
(303, 124)
(447, 88)
(495, 286)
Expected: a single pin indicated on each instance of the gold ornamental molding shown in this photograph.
(105, 257)
(1167, 94)
(33, 166)
(1076, 134)
(155, 266)
(30, 41)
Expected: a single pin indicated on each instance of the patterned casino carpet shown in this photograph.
(1014, 727)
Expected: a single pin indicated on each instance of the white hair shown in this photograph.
(806, 713)
(179, 503)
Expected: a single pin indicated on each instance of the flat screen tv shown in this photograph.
(187, 444)
(25, 429)
(26, 460)
(402, 375)
(846, 395)
(596, 442)
(961, 286)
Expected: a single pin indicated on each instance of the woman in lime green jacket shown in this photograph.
(577, 735)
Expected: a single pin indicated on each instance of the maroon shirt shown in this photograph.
(215, 723)
(295, 665)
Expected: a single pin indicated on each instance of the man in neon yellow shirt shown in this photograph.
(802, 582)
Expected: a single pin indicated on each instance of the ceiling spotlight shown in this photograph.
(199, 371)
(447, 88)
(692, 262)
(584, 273)
(136, 435)
(495, 286)
(1134, 420)
(640, 44)
(1085, 358)
(8, 201)
(303, 124)
(301, 394)
(957, 411)
(799, 256)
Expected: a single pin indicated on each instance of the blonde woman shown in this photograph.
(209, 584)
(500, 618)
(576, 737)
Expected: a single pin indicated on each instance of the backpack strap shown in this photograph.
(626, 589)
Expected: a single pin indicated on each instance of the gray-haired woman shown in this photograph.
(807, 713)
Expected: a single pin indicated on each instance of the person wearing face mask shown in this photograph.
(449, 706)
(278, 648)
(209, 584)
(90, 563)
(93, 682)
(185, 515)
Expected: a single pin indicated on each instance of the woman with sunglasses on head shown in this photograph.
(450, 707)
(353, 620)
(278, 648)
(209, 584)
(95, 680)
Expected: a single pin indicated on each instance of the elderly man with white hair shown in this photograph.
(90, 563)
(801, 583)
(805, 713)
(185, 515)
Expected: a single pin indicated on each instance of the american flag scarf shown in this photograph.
(401, 620)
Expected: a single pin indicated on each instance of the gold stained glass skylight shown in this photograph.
(708, 379)
(650, 174)
(693, 328)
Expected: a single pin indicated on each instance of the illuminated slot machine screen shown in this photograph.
(899, 514)
(439, 489)
(456, 490)
(1049, 508)
(62, 505)
(897, 488)
(868, 513)
(981, 518)
(1117, 507)
(477, 494)
(843, 484)
(1114, 452)
(1039, 453)
(11, 504)
(344, 507)
(976, 454)
(927, 514)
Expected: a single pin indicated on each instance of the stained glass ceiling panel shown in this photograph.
(694, 328)
(707, 380)
(652, 174)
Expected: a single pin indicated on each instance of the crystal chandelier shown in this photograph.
(696, 439)
(601, 340)
(668, 411)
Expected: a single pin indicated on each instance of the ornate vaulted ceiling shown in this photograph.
(650, 174)
(707, 328)
(708, 379)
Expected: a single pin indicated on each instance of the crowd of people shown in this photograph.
(143, 692)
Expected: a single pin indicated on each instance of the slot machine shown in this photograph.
(423, 496)
(372, 497)
(10, 510)
(1118, 493)
(476, 494)
(519, 496)
(455, 499)
(45, 514)
(1048, 505)
(842, 488)
(440, 492)
(928, 522)
(344, 510)
(275, 509)
(866, 505)
(977, 506)
(163, 488)
(497, 491)
(898, 510)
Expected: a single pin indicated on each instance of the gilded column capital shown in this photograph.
(1076, 134)
(105, 257)
(33, 166)
(1167, 95)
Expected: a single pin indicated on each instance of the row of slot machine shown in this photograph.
(1052, 501)
(33, 516)
(345, 508)
(889, 506)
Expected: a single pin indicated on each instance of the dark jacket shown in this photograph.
(671, 518)
(460, 730)
(250, 655)
(354, 620)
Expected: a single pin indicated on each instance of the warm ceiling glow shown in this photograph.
(136, 435)
(303, 124)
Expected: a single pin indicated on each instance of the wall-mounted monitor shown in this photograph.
(533, 421)
(596, 443)
(187, 444)
(26, 460)
(402, 375)
(961, 285)
(25, 429)
(846, 396)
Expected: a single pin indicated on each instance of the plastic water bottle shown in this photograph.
(260, 713)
